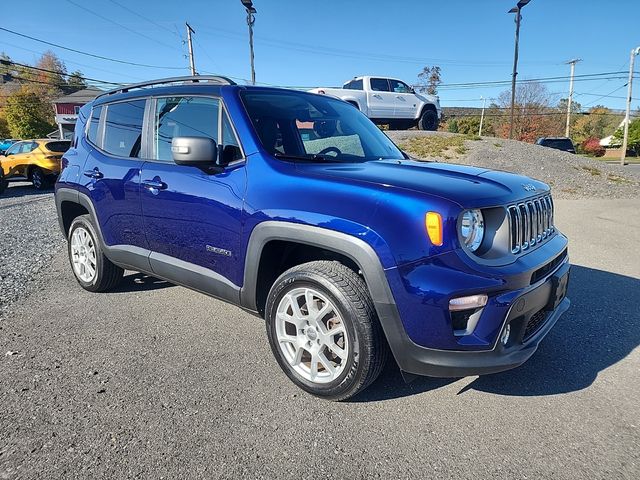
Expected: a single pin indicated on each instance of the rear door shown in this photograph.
(111, 173)
(381, 99)
(405, 100)
(18, 157)
(192, 215)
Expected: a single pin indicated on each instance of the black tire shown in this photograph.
(107, 275)
(347, 291)
(428, 120)
(39, 179)
(3, 182)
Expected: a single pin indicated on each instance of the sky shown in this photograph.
(307, 43)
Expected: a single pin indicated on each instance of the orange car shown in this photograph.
(35, 160)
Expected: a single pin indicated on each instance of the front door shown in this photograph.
(405, 100)
(381, 99)
(111, 174)
(17, 158)
(192, 217)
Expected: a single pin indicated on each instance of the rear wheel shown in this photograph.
(323, 330)
(39, 179)
(92, 269)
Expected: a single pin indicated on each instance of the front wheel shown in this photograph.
(323, 330)
(3, 182)
(428, 120)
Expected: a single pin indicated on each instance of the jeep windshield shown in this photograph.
(300, 126)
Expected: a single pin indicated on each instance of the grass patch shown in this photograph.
(446, 147)
(592, 170)
(612, 177)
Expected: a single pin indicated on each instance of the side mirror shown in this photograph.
(194, 151)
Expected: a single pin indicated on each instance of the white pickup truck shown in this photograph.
(389, 101)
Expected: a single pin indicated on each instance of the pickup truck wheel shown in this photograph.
(323, 330)
(428, 120)
(93, 271)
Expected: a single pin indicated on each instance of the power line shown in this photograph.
(604, 96)
(10, 62)
(89, 54)
(107, 19)
(139, 15)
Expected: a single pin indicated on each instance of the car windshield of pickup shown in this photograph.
(300, 126)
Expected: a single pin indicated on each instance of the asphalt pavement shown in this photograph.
(156, 381)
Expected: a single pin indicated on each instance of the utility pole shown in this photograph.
(484, 100)
(573, 68)
(192, 62)
(251, 19)
(625, 138)
(519, 6)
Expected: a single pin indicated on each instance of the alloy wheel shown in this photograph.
(83, 255)
(311, 335)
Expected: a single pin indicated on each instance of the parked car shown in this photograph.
(37, 161)
(559, 143)
(6, 143)
(389, 101)
(297, 208)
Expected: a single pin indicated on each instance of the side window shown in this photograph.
(183, 117)
(348, 86)
(379, 85)
(13, 149)
(399, 87)
(94, 123)
(230, 146)
(30, 147)
(356, 85)
(123, 128)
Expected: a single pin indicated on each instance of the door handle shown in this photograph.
(95, 173)
(154, 184)
(376, 95)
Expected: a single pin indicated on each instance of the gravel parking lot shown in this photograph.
(156, 381)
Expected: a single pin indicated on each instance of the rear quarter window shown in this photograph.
(57, 146)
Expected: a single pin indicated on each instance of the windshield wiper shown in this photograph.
(306, 158)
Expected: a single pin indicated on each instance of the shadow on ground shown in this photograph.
(600, 329)
(23, 189)
(140, 282)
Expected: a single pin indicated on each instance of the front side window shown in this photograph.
(306, 127)
(14, 149)
(183, 117)
(399, 87)
(379, 85)
(123, 128)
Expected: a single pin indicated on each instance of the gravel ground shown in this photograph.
(156, 381)
(569, 175)
(29, 237)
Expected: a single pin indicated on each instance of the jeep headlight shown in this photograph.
(472, 229)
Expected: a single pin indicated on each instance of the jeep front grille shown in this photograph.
(531, 223)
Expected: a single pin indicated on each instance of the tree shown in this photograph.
(28, 115)
(598, 122)
(75, 82)
(633, 141)
(534, 114)
(429, 79)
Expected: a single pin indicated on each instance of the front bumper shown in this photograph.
(530, 313)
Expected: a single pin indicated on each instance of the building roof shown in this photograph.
(81, 96)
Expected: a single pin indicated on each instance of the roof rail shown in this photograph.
(213, 79)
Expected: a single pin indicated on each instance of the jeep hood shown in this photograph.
(467, 186)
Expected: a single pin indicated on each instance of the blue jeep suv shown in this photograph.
(295, 207)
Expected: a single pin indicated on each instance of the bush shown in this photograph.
(452, 126)
(591, 146)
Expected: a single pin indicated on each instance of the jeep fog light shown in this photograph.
(465, 303)
(504, 339)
